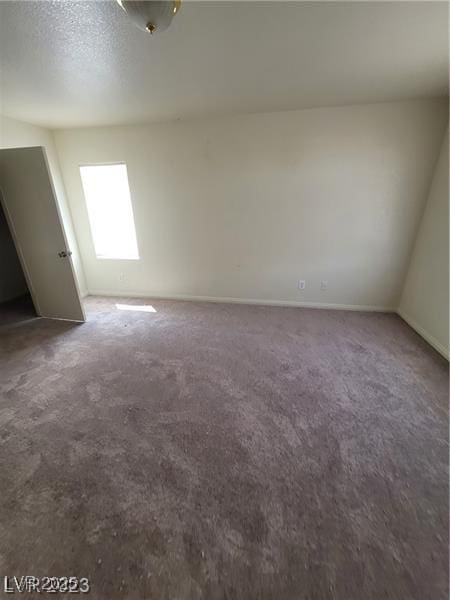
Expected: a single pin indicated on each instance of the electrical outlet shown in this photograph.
(122, 279)
(302, 284)
(324, 285)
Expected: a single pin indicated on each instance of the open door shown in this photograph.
(32, 212)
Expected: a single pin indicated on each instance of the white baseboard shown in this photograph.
(251, 301)
(423, 333)
(292, 303)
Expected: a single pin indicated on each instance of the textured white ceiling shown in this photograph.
(68, 64)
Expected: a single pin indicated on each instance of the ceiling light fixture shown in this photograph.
(151, 15)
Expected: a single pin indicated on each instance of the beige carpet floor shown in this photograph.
(212, 451)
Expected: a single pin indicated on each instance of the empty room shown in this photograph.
(224, 300)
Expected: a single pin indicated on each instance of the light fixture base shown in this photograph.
(151, 15)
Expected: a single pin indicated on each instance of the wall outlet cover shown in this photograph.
(122, 280)
(301, 284)
(324, 285)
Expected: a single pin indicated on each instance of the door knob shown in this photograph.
(64, 254)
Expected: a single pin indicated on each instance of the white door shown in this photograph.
(33, 216)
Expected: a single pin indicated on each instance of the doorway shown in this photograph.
(16, 304)
(32, 213)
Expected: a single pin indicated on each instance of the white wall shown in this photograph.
(16, 134)
(12, 280)
(242, 207)
(425, 300)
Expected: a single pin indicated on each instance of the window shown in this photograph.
(110, 212)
